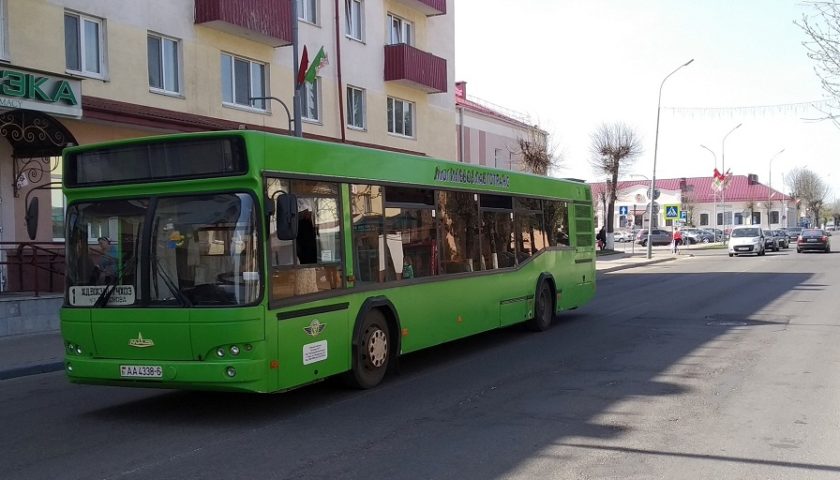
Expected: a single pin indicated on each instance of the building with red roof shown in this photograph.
(745, 200)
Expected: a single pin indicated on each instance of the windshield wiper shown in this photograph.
(103, 298)
(170, 284)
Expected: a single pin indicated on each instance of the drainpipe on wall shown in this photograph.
(338, 71)
(461, 134)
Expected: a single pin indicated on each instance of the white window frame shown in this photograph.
(83, 67)
(179, 77)
(392, 122)
(355, 23)
(4, 31)
(307, 10)
(258, 105)
(399, 30)
(306, 90)
(358, 95)
(57, 196)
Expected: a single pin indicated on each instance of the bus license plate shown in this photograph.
(141, 371)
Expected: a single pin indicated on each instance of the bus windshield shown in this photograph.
(198, 250)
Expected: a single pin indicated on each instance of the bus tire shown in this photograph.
(543, 308)
(374, 351)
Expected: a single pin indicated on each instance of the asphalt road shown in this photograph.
(705, 367)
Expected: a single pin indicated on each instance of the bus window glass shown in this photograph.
(459, 245)
(410, 243)
(109, 259)
(310, 263)
(368, 232)
(497, 242)
(557, 222)
(204, 251)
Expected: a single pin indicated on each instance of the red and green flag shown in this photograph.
(304, 64)
(317, 63)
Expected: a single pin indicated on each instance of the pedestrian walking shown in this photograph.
(677, 241)
(601, 238)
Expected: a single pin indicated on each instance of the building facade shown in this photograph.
(82, 71)
(489, 135)
(745, 201)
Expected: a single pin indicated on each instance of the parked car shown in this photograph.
(622, 236)
(793, 233)
(770, 241)
(657, 237)
(717, 233)
(813, 239)
(746, 239)
(781, 237)
(696, 235)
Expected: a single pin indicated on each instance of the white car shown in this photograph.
(745, 240)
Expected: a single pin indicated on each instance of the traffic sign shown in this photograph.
(672, 212)
(623, 210)
(683, 215)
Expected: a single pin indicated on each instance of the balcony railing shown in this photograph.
(416, 68)
(31, 267)
(264, 21)
(428, 7)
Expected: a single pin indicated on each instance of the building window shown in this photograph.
(756, 218)
(164, 64)
(84, 44)
(243, 79)
(310, 100)
(307, 10)
(400, 117)
(355, 107)
(353, 14)
(400, 31)
(774, 217)
(57, 202)
(704, 219)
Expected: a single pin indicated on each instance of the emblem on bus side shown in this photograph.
(141, 342)
(315, 328)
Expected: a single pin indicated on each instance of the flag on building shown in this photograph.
(304, 65)
(717, 181)
(317, 63)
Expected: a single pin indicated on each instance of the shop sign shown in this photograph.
(41, 92)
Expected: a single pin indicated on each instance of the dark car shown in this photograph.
(771, 242)
(813, 240)
(793, 233)
(782, 238)
(657, 237)
(697, 235)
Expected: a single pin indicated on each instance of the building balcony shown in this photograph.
(428, 7)
(415, 68)
(264, 21)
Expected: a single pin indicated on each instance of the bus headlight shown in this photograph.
(220, 352)
(234, 350)
(230, 372)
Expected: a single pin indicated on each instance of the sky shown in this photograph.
(573, 65)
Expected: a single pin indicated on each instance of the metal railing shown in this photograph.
(34, 267)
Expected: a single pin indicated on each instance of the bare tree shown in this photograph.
(810, 189)
(613, 146)
(835, 212)
(538, 156)
(768, 206)
(689, 200)
(822, 27)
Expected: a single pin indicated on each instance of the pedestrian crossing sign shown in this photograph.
(672, 212)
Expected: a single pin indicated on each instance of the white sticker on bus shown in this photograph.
(87, 295)
(314, 352)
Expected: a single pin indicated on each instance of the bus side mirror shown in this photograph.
(286, 216)
(32, 218)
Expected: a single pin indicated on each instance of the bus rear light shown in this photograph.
(230, 372)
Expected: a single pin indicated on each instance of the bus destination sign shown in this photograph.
(471, 177)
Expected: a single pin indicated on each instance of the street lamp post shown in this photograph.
(723, 167)
(714, 194)
(770, 173)
(655, 149)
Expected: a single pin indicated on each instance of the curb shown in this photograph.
(634, 265)
(31, 370)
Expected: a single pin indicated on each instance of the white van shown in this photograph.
(745, 240)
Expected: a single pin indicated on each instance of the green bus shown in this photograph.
(248, 261)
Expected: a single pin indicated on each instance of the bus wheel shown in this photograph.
(370, 361)
(543, 308)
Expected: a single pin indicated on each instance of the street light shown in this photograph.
(655, 149)
(723, 168)
(770, 173)
(714, 193)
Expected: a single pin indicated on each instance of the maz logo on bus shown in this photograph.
(141, 342)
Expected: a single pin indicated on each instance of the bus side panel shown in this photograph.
(311, 347)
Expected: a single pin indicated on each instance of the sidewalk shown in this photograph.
(22, 355)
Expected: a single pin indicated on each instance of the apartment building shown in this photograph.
(81, 71)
